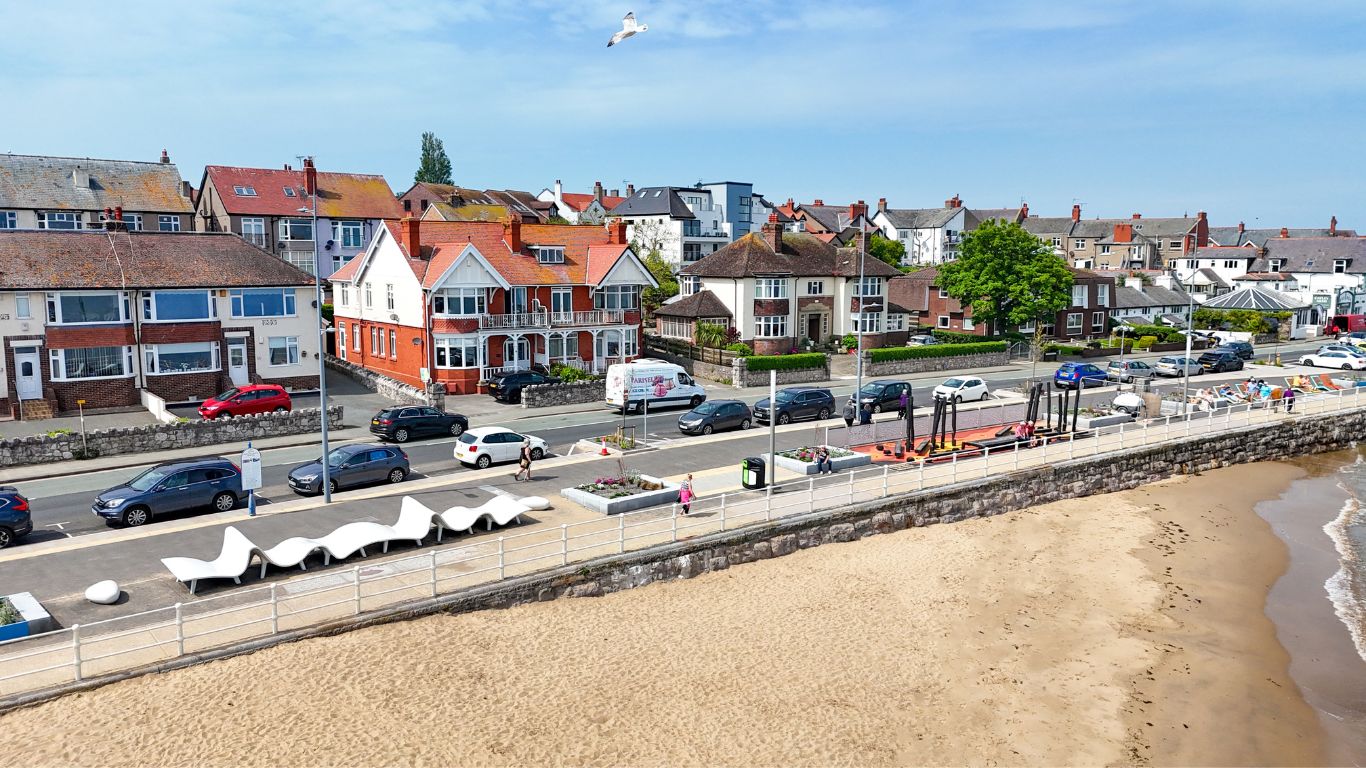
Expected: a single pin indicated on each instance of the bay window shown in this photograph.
(616, 297)
(675, 329)
(262, 302)
(896, 322)
(867, 322)
(1074, 322)
(617, 343)
(770, 326)
(460, 302)
(564, 346)
(457, 351)
(284, 350)
(770, 288)
(91, 363)
(191, 357)
(164, 306)
(76, 308)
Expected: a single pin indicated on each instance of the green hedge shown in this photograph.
(785, 362)
(935, 350)
(958, 337)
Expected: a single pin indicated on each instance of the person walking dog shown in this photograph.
(524, 462)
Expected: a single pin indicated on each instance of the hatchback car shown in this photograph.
(1177, 366)
(797, 403)
(1078, 375)
(960, 388)
(1242, 349)
(1128, 370)
(508, 388)
(211, 482)
(349, 466)
(247, 399)
(15, 520)
(1335, 359)
(1219, 360)
(483, 446)
(883, 395)
(715, 416)
(406, 422)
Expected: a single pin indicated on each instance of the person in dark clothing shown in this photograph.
(849, 411)
(865, 414)
(904, 401)
(1289, 399)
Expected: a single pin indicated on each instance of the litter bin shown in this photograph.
(752, 472)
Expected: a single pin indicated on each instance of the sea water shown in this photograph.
(1347, 587)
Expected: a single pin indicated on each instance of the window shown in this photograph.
(1074, 322)
(1027, 327)
(21, 308)
(866, 322)
(162, 306)
(355, 337)
(770, 288)
(675, 329)
(69, 308)
(1339, 266)
(616, 297)
(389, 296)
(349, 234)
(1103, 295)
(1276, 265)
(815, 288)
(968, 324)
(688, 284)
(1174, 244)
(244, 191)
(91, 363)
(896, 322)
(563, 346)
(943, 321)
(550, 254)
(903, 234)
(344, 291)
(168, 223)
(8, 220)
(457, 351)
(692, 251)
(1078, 243)
(284, 350)
(462, 302)
(943, 294)
(374, 341)
(1104, 249)
(871, 286)
(1057, 242)
(381, 351)
(1097, 322)
(262, 302)
(369, 300)
(692, 228)
(1079, 295)
(289, 192)
(770, 326)
(59, 220)
(296, 229)
(131, 221)
(341, 340)
(393, 344)
(1191, 263)
(182, 358)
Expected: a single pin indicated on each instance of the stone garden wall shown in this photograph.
(548, 395)
(393, 389)
(741, 376)
(931, 364)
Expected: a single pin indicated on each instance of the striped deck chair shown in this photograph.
(1325, 383)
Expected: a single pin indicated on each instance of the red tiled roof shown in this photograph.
(579, 201)
(340, 195)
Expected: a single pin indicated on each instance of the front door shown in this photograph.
(517, 354)
(813, 327)
(237, 362)
(28, 375)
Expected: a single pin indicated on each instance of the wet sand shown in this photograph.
(1045, 637)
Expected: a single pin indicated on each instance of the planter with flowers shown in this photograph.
(803, 460)
(614, 494)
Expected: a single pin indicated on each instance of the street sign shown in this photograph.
(251, 469)
(425, 375)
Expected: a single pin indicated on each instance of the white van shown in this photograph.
(659, 383)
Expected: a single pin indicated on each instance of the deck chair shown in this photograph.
(232, 561)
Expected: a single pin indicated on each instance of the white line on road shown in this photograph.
(59, 527)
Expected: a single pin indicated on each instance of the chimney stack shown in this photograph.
(857, 209)
(790, 205)
(818, 202)
(1024, 211)
(165, 158)
(614, 193)
(630, 190)
(512, 233)
(408, 231)
(1333, 227)
(310, 177)
(1201, 230)
(1285, 232)
(616, 232)
(1240, 228)
(773, 233)
(881, 204)
(597, 190)
(1124, 233)
(559, 190)
(118, 213)
(953, 202)
(1076, 212)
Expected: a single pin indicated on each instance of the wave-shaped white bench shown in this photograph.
(231, 563)
(499, 510)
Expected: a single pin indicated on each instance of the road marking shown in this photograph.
(59, 527)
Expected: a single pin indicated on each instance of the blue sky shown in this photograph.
(1252, 110)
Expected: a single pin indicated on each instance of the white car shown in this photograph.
(962, 388)
(1335, 359)
(483, 446)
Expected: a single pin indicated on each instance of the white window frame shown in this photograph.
(344, 293)
(1339, 266)
(131, 221)
(688, 284)
(1057, 242)
(389, 296)
(288, 302)
(152, 358)
(770, 326)
(374, 341)
(675, 329)
(815, 287)
(770, 288)
(627, 297)
(355, 337)
(1173, 244)
(168, 223)
(369, 298)
(550, 254)
(244, 191)
(393, 344)
(151, 315)
(1103, 295)
(1275, 265)
(943, 294)
(341, 340)
(254, 230)
(9, 220)
(871, 286)
(62, 216)
(442, 346)
(1026, 327)
(1078, 243)
(23, 309)
(57, 365)
(1104, 250)
(561, 343)
(968, 324)
(349, 233)
(943, 321)
(1075, 326)
(54, 308)
(1097, 322)
(458, 296)
(1079, 295)
(866, 322)
(285, 226)
(290, 344)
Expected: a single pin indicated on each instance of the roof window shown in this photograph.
(289, 192)
(244, 191)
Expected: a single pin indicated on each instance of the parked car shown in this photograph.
(406, 422)
(1079, 376)
(247, 399)
(714, 416)
(482, 446)
(921, 340)
(1177, 366)
(883, 395)
(210, 482)
(1128, 370)
(508, 387)
(349, 466)
(1346, 349)
(1218, 360)
(1335, 359)
(1355, 338)
(15, 520)
(1240, 348)
(797, 403)
(960, 388)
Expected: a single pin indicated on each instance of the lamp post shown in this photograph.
(858, 329)
(1186, 361)
(322, 342)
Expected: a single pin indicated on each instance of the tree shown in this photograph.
(651, 235)
(1008, 276)
(664, 275)
(890, 251)
(435, 166)
(710, 334)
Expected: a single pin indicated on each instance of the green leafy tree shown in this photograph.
(1008, 276)
(890, 251)
(435, 166)
(652, 298)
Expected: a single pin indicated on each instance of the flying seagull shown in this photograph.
(628, 27)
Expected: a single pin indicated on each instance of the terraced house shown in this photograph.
(457, 303)
(102, 316)
(67, 193)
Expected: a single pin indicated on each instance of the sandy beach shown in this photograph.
(1108, 630)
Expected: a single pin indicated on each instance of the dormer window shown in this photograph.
(244, 191)
(1276, 265)
(550, 254)
(1339, 266)
(688, 284)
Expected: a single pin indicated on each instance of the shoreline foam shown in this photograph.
(1348, 603)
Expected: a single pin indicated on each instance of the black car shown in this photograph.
(403, 423)
(1219, 360)
(713, 416)
(15, 521)
(797, 403)
(1240, 348)
(211, 482)
(351, 465)
(508, 388)
(884, 395)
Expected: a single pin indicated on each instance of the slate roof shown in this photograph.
(832, 218)
(39, 181)
(92, 259)
(1048, 225)
(1254, 297)
(1313, 254)
(802, 255)
(340, 195)
(1209, 277)
(654, 201)
(1169, 227)
(920, 218)
(975, 216)
(1150, 296)
(701, 304)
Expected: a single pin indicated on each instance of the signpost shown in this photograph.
(251, 476)
(84, 445)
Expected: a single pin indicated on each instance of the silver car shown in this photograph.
(1177, 366)
(1128, 370)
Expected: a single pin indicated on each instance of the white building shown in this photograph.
(930, 235)
(684, 224)
(1312, 270)
(580, 208)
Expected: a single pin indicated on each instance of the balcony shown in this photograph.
(514, 321)
(590, 317)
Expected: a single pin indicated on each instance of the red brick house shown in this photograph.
(100, 316)
(462, 301)
(934, 309)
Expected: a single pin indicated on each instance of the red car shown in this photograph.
(251, 398)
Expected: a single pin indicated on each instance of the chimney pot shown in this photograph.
(165, 158)
(881, 204)
(1076, 212)
(118, 213)
(1200, 215)
(597, 190)
(630, 190)
(1333, 227)
(818, 202)
(1241, 228)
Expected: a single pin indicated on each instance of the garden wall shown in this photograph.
(391, 388)
(696, 368)
(741, 376)
(548, 395)
(931, 364)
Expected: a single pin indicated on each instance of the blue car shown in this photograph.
(211, 482)
(1079, 376)
(15, 521)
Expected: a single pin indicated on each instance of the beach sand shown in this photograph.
(1044, 637)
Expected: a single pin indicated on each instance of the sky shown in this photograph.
(1252, 110)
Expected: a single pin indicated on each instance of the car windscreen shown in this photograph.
(148, 479)
(786, 397)
(953, 383)
(871, 389)
(230, 394)
(707, 408)
(339, 456)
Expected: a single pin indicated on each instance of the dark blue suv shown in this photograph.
(1079, 376)
(15, 522)
(177, 486)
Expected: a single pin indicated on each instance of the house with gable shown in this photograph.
(447, 202)
(1312, 270)
(460, 303)
(67, 193)
(930, 235)
(931, 308)
(683, 223)
(583, 208)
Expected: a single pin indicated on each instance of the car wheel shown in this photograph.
(706, 429)
(1305, 361)
(280, 409)
(957, 399)
(400, 435)
(877, 408)
(824, 414)
(224, 501)
(6, 538)
(985, 396)
(396, 475)
(136, 516)
(784, 418)
(331, 486)
(483, 462)
(744, 424)
(457, 429)
(537, 454)
(1347, 367)
(695, 401)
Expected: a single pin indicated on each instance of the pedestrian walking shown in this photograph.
(524, 462)
(823, 462)
(865, 415)
(849, 413)
(1289, 399)
(904, 401)
(685, 495)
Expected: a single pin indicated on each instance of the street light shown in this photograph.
(322, 343)
(1186, 361)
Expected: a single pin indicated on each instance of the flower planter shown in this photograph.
(809, 467)
(36, 619)
(666, 495)
(1092, 422)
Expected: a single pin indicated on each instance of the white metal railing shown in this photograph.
(103, 647)
(515, 320)
(490, 373)
(589, 317)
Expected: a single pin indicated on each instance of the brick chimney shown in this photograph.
(1333, 227)
(1285, 232)
(616, 232)
(881, 204)
(597, 190)
(1137, 216)
(118, 213)
(1240, 228)
(165, 158)
(1024, 211)
(408, 237)
(630, 190)
(818, 202)
(310, 177)
(1124, 233)
(857, 209)
(512, 233)
(773, 233)
(953, 202)
(1201, 230)
(1076, 212)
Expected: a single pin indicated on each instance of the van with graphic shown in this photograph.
(630, 386)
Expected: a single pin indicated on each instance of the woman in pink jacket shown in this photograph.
(685, 495)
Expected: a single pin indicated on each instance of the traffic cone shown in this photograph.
(603, 452)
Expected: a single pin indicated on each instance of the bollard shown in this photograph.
(885, 467)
